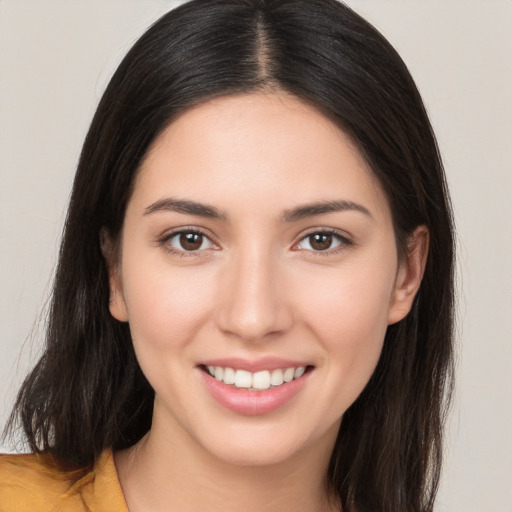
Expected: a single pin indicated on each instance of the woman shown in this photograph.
(253, 303)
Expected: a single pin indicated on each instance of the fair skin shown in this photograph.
(256, 238)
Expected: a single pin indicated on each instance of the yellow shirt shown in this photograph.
(33, 483)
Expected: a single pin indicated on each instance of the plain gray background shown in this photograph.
(56, 57)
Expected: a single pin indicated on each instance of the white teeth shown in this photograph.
(243, 379)
(299, 372)
(288, 374)
(276, 379)
(261, 380)
(229, 376)
(258, 380)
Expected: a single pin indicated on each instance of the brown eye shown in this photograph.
(189, 241)
(323, 241)
(320, 241)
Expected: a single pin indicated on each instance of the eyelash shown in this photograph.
(343, 240)
(164, 242)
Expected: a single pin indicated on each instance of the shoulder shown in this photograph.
(37, 482)
(31, 482)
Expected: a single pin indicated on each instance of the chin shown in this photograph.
(268, 445)
(256, 453)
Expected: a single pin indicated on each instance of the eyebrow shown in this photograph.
(322, 207)
(186, 207)
(189, 207)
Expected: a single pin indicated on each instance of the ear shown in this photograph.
(116, 303)
(409, 275)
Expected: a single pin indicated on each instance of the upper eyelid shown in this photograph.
(167, 235)
(213, 239)
(345, 241)
(324, 230)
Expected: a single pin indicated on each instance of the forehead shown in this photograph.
(272, 149)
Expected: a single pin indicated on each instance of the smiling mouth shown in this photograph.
(256, 381)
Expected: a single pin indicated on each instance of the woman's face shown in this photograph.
(257, 245)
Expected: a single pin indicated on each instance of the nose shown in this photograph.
(253, 303)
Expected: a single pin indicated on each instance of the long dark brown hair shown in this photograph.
(87, 391)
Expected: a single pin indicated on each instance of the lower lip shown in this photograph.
(252, 403)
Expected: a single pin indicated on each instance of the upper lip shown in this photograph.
(255, 365)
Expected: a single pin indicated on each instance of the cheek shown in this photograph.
(356, 311)
(351, 330)
(348, 315)
(350, 304)
(165, 307)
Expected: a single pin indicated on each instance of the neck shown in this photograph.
(172, 472)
